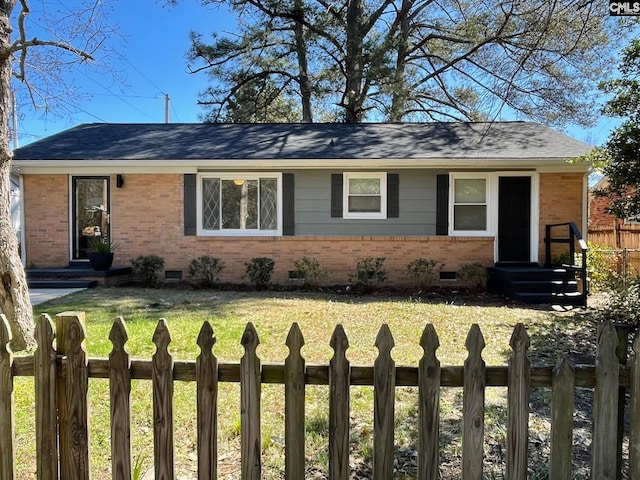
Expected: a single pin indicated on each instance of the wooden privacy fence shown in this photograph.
(62, 415)
(618, 235)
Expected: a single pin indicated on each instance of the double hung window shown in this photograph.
(365, 195)
(470, 204)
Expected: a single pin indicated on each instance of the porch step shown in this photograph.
(568, 298)
(62, 283)
(77, 272)
(534, 284)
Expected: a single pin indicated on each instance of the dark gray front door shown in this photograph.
(514, 219)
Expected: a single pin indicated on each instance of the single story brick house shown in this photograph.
(456, 193)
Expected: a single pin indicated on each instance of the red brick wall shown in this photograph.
(598, 215)
(147, 218)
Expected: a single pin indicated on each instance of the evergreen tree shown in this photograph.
(622, 149)
(399, 60)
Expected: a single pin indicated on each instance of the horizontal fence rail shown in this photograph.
(61, 371)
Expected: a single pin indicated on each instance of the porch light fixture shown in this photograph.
(239, 182)
(119, 181)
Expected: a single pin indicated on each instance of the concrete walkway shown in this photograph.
(41, 295)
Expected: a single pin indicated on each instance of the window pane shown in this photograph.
(470, 217)
(364, 204)
(364, 186)
(239, 204)
(211, 203)
(470, 190)
(268, 204)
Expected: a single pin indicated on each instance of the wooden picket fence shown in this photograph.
(61, 405)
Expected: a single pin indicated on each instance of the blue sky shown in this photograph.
(154, 42)
(155, 39)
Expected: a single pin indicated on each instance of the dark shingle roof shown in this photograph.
(108, 141)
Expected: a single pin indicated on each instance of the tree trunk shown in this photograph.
(303, 66)
(400, 91)
(353, 63)
(14, 294)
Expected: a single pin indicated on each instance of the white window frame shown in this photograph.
(238, 232)
(490, 179)
(382, 214)
(492, 202)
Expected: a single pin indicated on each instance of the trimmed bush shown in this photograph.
(147, 269)
(424, 272)
(259, 271)
(309, 269)
(370, 273)
(204, 271)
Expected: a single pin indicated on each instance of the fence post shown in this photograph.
(7, 432)
(73, 402)
(207, 404)
(622, 353)
(250, 391)
(562, 406)
(339, 372)
(120, 402)
(429, 406)
(473, 406)
(605, 405)
(46, 372)
(634, 411)
(162, 381)
(518, 405)
(384, 389)
(294, 418)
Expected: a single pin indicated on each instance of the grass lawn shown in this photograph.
(553, 334)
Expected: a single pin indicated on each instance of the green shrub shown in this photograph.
(147, 268)
(563, 258)
(473, 274)
(259, 271)
(623, 304)
(204, 271)
(370, 272)
(603, 265)
(424, 272)
(309, 270)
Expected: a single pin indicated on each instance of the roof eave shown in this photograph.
(188, 165)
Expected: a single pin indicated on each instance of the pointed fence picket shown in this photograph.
(61, 377)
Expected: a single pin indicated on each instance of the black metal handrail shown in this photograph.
(574, 236)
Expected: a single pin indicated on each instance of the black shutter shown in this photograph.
(442, 205)
(393, 195)
(190, 204)
(288, 204)
(336, 195)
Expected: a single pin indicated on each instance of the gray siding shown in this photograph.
(417, 206)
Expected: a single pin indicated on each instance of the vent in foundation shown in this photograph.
(448, 276)
(173, 274)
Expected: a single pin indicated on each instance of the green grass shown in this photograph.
(317, 314)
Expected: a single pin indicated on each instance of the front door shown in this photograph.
(90, 212)
(514, 219)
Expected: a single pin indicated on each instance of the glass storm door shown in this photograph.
(90, 212)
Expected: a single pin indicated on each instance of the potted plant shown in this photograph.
(102, 256)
